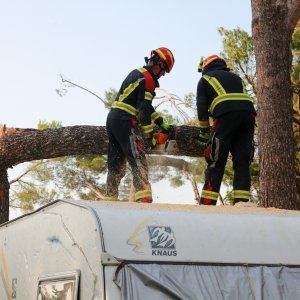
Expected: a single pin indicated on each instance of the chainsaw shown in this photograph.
(165, 142)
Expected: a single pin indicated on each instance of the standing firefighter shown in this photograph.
(222, 95)
(129, 125)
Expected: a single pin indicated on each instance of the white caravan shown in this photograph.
(115, 250)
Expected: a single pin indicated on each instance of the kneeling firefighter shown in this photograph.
(222, 95)
(129, 125)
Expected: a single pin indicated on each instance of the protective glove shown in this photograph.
(149, 143)
(168, 129)
(204, 137)
(165, 127)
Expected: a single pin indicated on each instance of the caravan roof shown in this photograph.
(190, 233)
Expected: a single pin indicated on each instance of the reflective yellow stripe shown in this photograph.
(229, 97)
(147, 128)
(204, 124)
(161, 54)
(244, 87)
(209, 195)
(164, 57)
(148, 96)
(214, 57)
(154, 116)
(142, 194)
(110, 198)
(128, 90)
(241, 194)
(215, 84)
(126, 107)
(222, 95)
(142, 70)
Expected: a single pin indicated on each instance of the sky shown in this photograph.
(95, 44)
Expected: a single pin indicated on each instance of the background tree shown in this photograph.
(273, 23)
(295, 77)
(238, 51)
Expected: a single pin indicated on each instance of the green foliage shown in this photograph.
(91, 163)
(239, 54)
(295, 44)
(28, 195)
(42, 125)
(110, 97)
(169, 118)
(67, 178)
(295, 75)
(177, 181)
(238, 46)
(295, 78)
(177, 177)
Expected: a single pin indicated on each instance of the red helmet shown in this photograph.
(166, 56)
(205, 62)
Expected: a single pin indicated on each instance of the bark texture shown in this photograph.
(271, 26)
(4, 196)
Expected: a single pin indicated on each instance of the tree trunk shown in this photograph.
(4, 196)
(19, 145)
(32, 144)
(272, 37)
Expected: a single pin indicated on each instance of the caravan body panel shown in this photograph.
(89, 240)
(199, 234)
(57, 239)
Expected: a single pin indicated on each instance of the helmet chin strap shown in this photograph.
(161, 71)
(153, 61)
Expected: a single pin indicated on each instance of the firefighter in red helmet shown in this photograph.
(222, 95)
(130, 125)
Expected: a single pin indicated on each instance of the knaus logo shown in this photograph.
(162, 240)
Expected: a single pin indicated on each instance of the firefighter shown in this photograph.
(130, 125)
(222, 95)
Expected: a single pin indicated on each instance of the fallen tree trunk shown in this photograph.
(31, 144)
(19, 145)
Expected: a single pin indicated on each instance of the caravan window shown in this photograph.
(63, 286)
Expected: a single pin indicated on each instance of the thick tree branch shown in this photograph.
(32, 144)
(18, 178)
(92, 188)
(178, 163)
